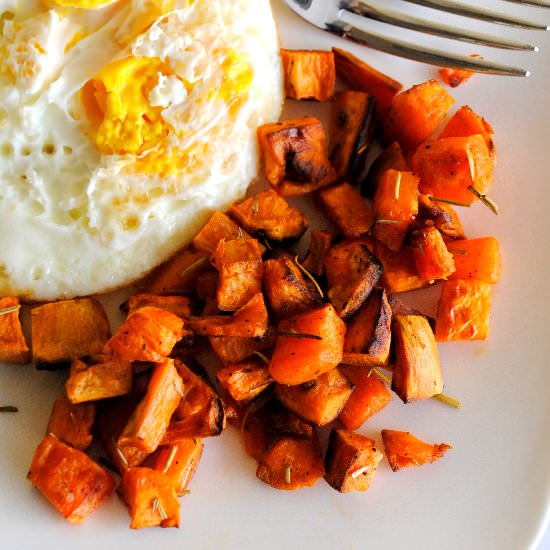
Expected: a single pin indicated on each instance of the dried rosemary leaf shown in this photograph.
(309, 276)
(489, 203)
(192, 267)
(397, 186)
(8, 409)
(299, 335)
(288, 473)
(448, 201)
(261, 356)
(170, 459)
(10, 309)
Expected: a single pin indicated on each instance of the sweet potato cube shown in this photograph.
(200, 412)
(463, 312)
(454, 77)
(307, 345)
(289, 292)
(249, 321)
(148, 424)
(234, 349)
(404, 450)
(268, 215)
(294, 155)
(399, 273)
(72, 423)
(352, 128)
(361, 76)
(347, 209)
(151, 498)
(477, 259)
(176, 275)
(448, 166)
(415, 113)
(318, 401)
(147, 334)
(179, 462)
(441, 215)
(416, 373)
(178, 305)
(465, 122)
(369, 396)
(431, 257)
(240, 272)
(244, 381)
(13, 346)
(308, 74)
(395, 206)
(101, 378)
(69, 329)
(352, 272)
(368, 335)
(351, 461)
(320, 243)
(69, 479)
(292, 463)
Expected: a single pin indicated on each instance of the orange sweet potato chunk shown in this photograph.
(415, 114)
(309, 74)
(244, 381)
(320, 243)
(431, 257)
(463, 311)
(477, 259)
(151, 498)
(72, 423)
(13, 346)
(69, 479)
(404, 450)
(178, 305)
(307, 345)
(147, 334)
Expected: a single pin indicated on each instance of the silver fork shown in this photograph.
(340, 17)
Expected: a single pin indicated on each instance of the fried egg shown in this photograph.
(123, 125)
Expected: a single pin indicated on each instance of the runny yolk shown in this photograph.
(86, 4)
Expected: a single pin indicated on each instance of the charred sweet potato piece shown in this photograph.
(395, 206)
(240, 272)
(399, 273)
(319, 244)
(439, 214)
(234, 349)
(318, 401)
(351, 461)
(249, 321)
(352, 272)
(178, 305)
(448, 166)
(13, 346)
(368, 335)
(308, 74)
(404, 450)
(416, 372)
(347, 209)
(465, 122)
(69, 479)
(307, 345)
(268, 215)
(200, 412)
(151, 498)
(176, 275)
(292, 463)
(415, 113)
(294, 155)
(352, 127)
(147, 334)
(72, 423)
(477, 259)
(431, 257)
(69, 329)
(149, 422)
(289, 292)
(244, 381)
(463, 312)
(391, 158)
(100, 378)
(361, 76)
(369, 396)
(179, 462)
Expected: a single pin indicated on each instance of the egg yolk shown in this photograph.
(122, 120)
(237, 78)
(86, 4)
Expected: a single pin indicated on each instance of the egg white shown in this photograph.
(75, 220)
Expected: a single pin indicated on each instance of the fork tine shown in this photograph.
(392, 17)
(417, 53)
(535, 3)
(476, 13)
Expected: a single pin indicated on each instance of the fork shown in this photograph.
(343, 18)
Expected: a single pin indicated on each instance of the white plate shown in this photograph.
(490, 491)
